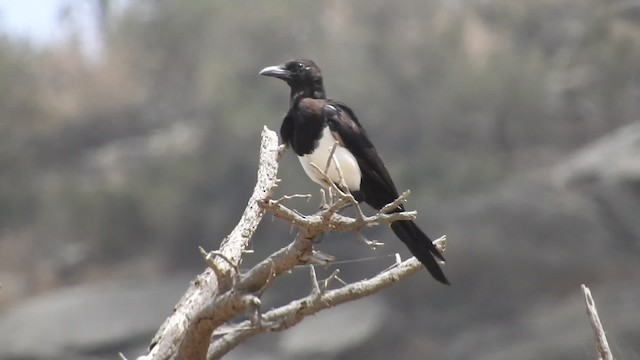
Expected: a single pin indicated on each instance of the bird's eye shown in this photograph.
(300, 66)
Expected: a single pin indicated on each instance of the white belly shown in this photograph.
(347, 162)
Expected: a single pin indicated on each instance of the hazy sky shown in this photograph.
(35, 19)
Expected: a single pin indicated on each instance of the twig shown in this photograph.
(602, 346)
(321, 258)
(289, 315)
(331, 158)
(330, 217)
(343, 183)
(294, 196)
(210, 256)
(441, 245)
(397, 261)
(326, 178)
(373, 244)
(326, 282)
(396, 203)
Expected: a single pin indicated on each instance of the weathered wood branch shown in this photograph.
(602, 345)
(222, 293)
(182, 335)
(286, 316)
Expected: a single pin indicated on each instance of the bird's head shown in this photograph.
(303, 76)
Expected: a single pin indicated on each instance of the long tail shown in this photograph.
(421, 247)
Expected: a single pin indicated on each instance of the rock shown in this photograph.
(613, 158)
(608, 173)
(89, 321)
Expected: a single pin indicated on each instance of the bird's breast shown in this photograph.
(343, 157)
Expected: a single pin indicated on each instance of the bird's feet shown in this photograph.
(329, 198)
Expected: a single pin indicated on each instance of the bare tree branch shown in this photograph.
(222, 293)
(289, 315)
(602, 346)
(397, 202)
(332, 218)
(181, 331)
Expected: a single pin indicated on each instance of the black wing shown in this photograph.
(376, 186)
(287, 129)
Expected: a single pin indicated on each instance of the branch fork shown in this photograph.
(222, 293)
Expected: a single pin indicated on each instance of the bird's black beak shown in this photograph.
(277, 72)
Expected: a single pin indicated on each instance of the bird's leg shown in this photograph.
(342, 197)
(342, 186)
(332, 195)
(347, 194)
(328, 197)
(337, 195)
(333, 188)
(339, 188)
(330, 159)
(344, 194)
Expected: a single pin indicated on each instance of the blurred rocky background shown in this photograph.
(131, 138)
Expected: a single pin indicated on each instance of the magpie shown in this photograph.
(312, 126)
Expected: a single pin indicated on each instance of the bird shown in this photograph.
(311, 127)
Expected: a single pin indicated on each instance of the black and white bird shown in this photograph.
(312, 126)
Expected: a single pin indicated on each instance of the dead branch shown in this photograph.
(182, 335)
(222, 293)
(286, 316)
(602, 345)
